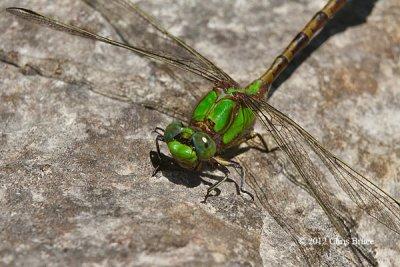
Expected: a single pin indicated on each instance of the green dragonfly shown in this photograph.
(225, 116)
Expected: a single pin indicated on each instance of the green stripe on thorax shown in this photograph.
(220, 111)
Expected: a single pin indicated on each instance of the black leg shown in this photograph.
(158, 130)
(223, 165)
(242, 175)
(261, 138)
(254, 135)
(157, 140)
(213, 187)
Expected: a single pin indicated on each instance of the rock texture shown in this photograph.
(75, 166)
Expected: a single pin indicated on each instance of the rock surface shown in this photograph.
(75, 168)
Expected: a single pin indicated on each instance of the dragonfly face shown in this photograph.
(188, 146)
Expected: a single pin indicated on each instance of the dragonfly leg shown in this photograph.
(224, 164)
(159, 138)
(242, 174)
(158, 130)
(254, 135)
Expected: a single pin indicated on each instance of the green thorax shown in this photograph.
(223, 115)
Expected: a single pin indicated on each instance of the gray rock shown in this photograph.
(75, 168)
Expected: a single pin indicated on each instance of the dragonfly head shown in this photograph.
(188, 146)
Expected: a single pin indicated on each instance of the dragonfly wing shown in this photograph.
(161, 47)
(316, 165)
(264, 194)
(138, 28)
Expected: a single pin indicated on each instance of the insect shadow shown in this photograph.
(189, 178)
(354, 13)
(174, 172)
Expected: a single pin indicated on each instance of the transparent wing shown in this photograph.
(138, 28)
(264, 195)
(315, 165)
(296, 242)
(121, 87)
(150, 39)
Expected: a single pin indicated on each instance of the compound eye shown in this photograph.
(172, 130)
(204, 145)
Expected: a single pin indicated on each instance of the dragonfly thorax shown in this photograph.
(188, 146)
(222, 114)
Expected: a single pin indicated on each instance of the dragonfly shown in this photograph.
(226, 114)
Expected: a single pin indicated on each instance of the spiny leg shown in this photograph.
(254, 135)
(302, 39)
(242, 175)
(224, 164)
(159, 138)
(159, 130)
